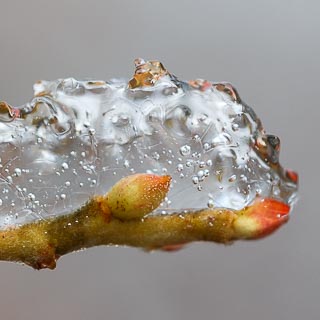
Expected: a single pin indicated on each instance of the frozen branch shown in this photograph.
(121, 218)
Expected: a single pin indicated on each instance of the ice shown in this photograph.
(75, 139)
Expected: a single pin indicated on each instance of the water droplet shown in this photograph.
(31, 196)
(195, 179)
(206, 146)
(189, 163)
(65, 166)
(62, 196)
(200, 173)
(155, 155)
(67, 184)
(180, 167)
(232, 178)
(185, 150)
(17, 172)
(210, 203)
(202, 164)
(196, 138)
(206, 173)
(126, 164)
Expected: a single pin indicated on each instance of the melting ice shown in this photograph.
(76, 139)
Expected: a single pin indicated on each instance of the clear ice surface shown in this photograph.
(76, 139)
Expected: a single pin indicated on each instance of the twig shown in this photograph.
(121, 218)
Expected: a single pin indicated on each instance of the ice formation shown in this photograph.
(76, 139)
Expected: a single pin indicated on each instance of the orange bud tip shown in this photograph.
(269, 215)
(292, 175)
(260, 219)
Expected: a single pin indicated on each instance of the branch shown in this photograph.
(121, 218)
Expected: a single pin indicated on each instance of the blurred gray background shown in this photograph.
(270, 50)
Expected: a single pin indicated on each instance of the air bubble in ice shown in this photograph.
(180, 167)
(31, 196)
(155, 155)
(65, 166)
(195, 179)
(17, 172)
(210, 203)
(126, 163)
(185, 150)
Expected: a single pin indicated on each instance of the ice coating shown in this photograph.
(76, 139)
